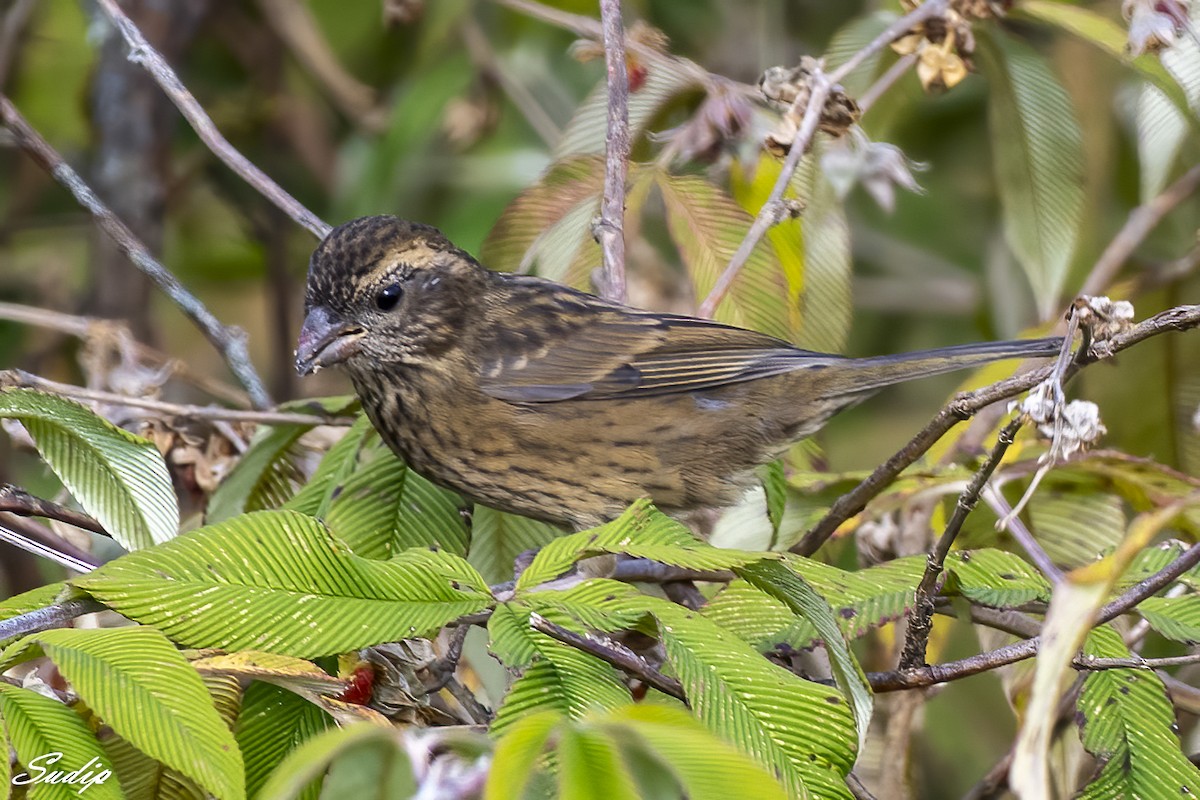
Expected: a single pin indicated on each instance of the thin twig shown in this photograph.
(141, 53)
(443, 669)
(610, 230)
(10, 33)
(966, 404)
(484, 56)
(48, 617)
(17, 501)
(920, 620)
(611, 652)
(1090, 663)
(921, 677)
(1023, 536)
(898, 28)
(42, 542)
(1140, 222)
(884, 82)
(477, 711)
(16, 377)
(229, 341)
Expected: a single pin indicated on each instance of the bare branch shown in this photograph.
(229, 341)
(610, 231)
(612, 652)
(16, 377)
(140, 52)
(1088, 663)
(44, 543)
(920, 620)
(16, 500)
(966, 404)
(48, 617)
(1140, 222)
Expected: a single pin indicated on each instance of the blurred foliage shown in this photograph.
(489, 124)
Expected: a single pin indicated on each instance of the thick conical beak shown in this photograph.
(325, 340)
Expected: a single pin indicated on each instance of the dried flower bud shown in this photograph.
(1103, 317)
(1154, 24)
(1078, 428)
(717, 123)
(878, 166)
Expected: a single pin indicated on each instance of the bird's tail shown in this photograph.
(870, 374)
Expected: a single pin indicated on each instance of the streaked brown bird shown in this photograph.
(534, 398)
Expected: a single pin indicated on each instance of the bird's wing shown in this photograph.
(608, 352)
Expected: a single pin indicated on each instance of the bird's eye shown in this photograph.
(388, 297)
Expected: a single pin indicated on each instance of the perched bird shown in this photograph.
(534, 398)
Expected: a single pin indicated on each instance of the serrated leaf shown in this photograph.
(291, 587)
(642, 531)
(801, 731)
(1075, 527)
(707, 226)
(785, 586)
(146, 691)
(545, 229)
(1127, 722)
(557, 678)
(308, 762)
(1176, 618)
(47, 736)
(1038, 157)
(383, 508)
(1111, 38)
(118, 478)
(498, 538)
(336, 466)
(994, 578)
(587, 132)
(273, 723)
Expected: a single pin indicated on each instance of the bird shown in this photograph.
(534, 398)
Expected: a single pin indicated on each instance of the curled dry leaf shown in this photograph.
(715, 127)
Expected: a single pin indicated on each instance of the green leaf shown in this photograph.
(287, 586)
(642, 531)
(1038, 152)
(777, 581)
(498, 538)
(560, 678)
(994, 578)
(517, 755)
(273, 723)
(265, 476)
(1128, 724)
(801, 731)
(826, 305)
(1074, 527)
(32, 600)
(147, 692)
(1110, 37)
(706, 767)
(118, 478)
(308, 762)
(590, 768)
(774, 481)
(338, 463)
(1176, 618)
(47, 736)
(587, 132)
(383, 508)
(547, 229)
(852, 38)
(707, 226)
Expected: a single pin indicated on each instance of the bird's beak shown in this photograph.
(325, 340)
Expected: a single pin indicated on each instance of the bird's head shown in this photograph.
(384, 290)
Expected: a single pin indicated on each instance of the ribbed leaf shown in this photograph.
(801, 731)
(336, 466)
(273, 723)
(1038, 151)
(1112, 38)
(707, 226)
(785, 586)
(265, 477)
(1154, 558)
(642, 531)
(1176, 618)
(118, 478)
(1075, 527)
(587, 132)
(143, 778)
(1127, 722)
(706, 767)
(593, 605)
(147, 692)
(47, 736)
(994, 578)
(278, 581)
(308, 762)
(498, 538)
(560, 678)
(590, 768)
(383, 508)
(548, 226)
(517, 755)
(849, 40)
(826, 307)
